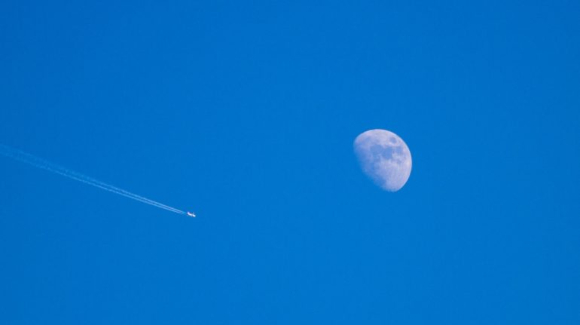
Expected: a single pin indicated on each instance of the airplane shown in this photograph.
(191, 214)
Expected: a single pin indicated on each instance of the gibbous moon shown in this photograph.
(384, 157)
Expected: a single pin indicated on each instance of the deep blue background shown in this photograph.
(245, 113)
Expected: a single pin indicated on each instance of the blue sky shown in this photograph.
(245, 112)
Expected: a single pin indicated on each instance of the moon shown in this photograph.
(384, 157)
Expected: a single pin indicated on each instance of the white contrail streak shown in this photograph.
(31, 160)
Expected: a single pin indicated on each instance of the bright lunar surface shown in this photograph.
(384, 157)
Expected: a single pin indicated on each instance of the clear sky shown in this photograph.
(246, 112)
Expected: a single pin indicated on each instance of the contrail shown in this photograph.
(31, 160)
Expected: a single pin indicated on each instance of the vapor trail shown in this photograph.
(31, 160)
